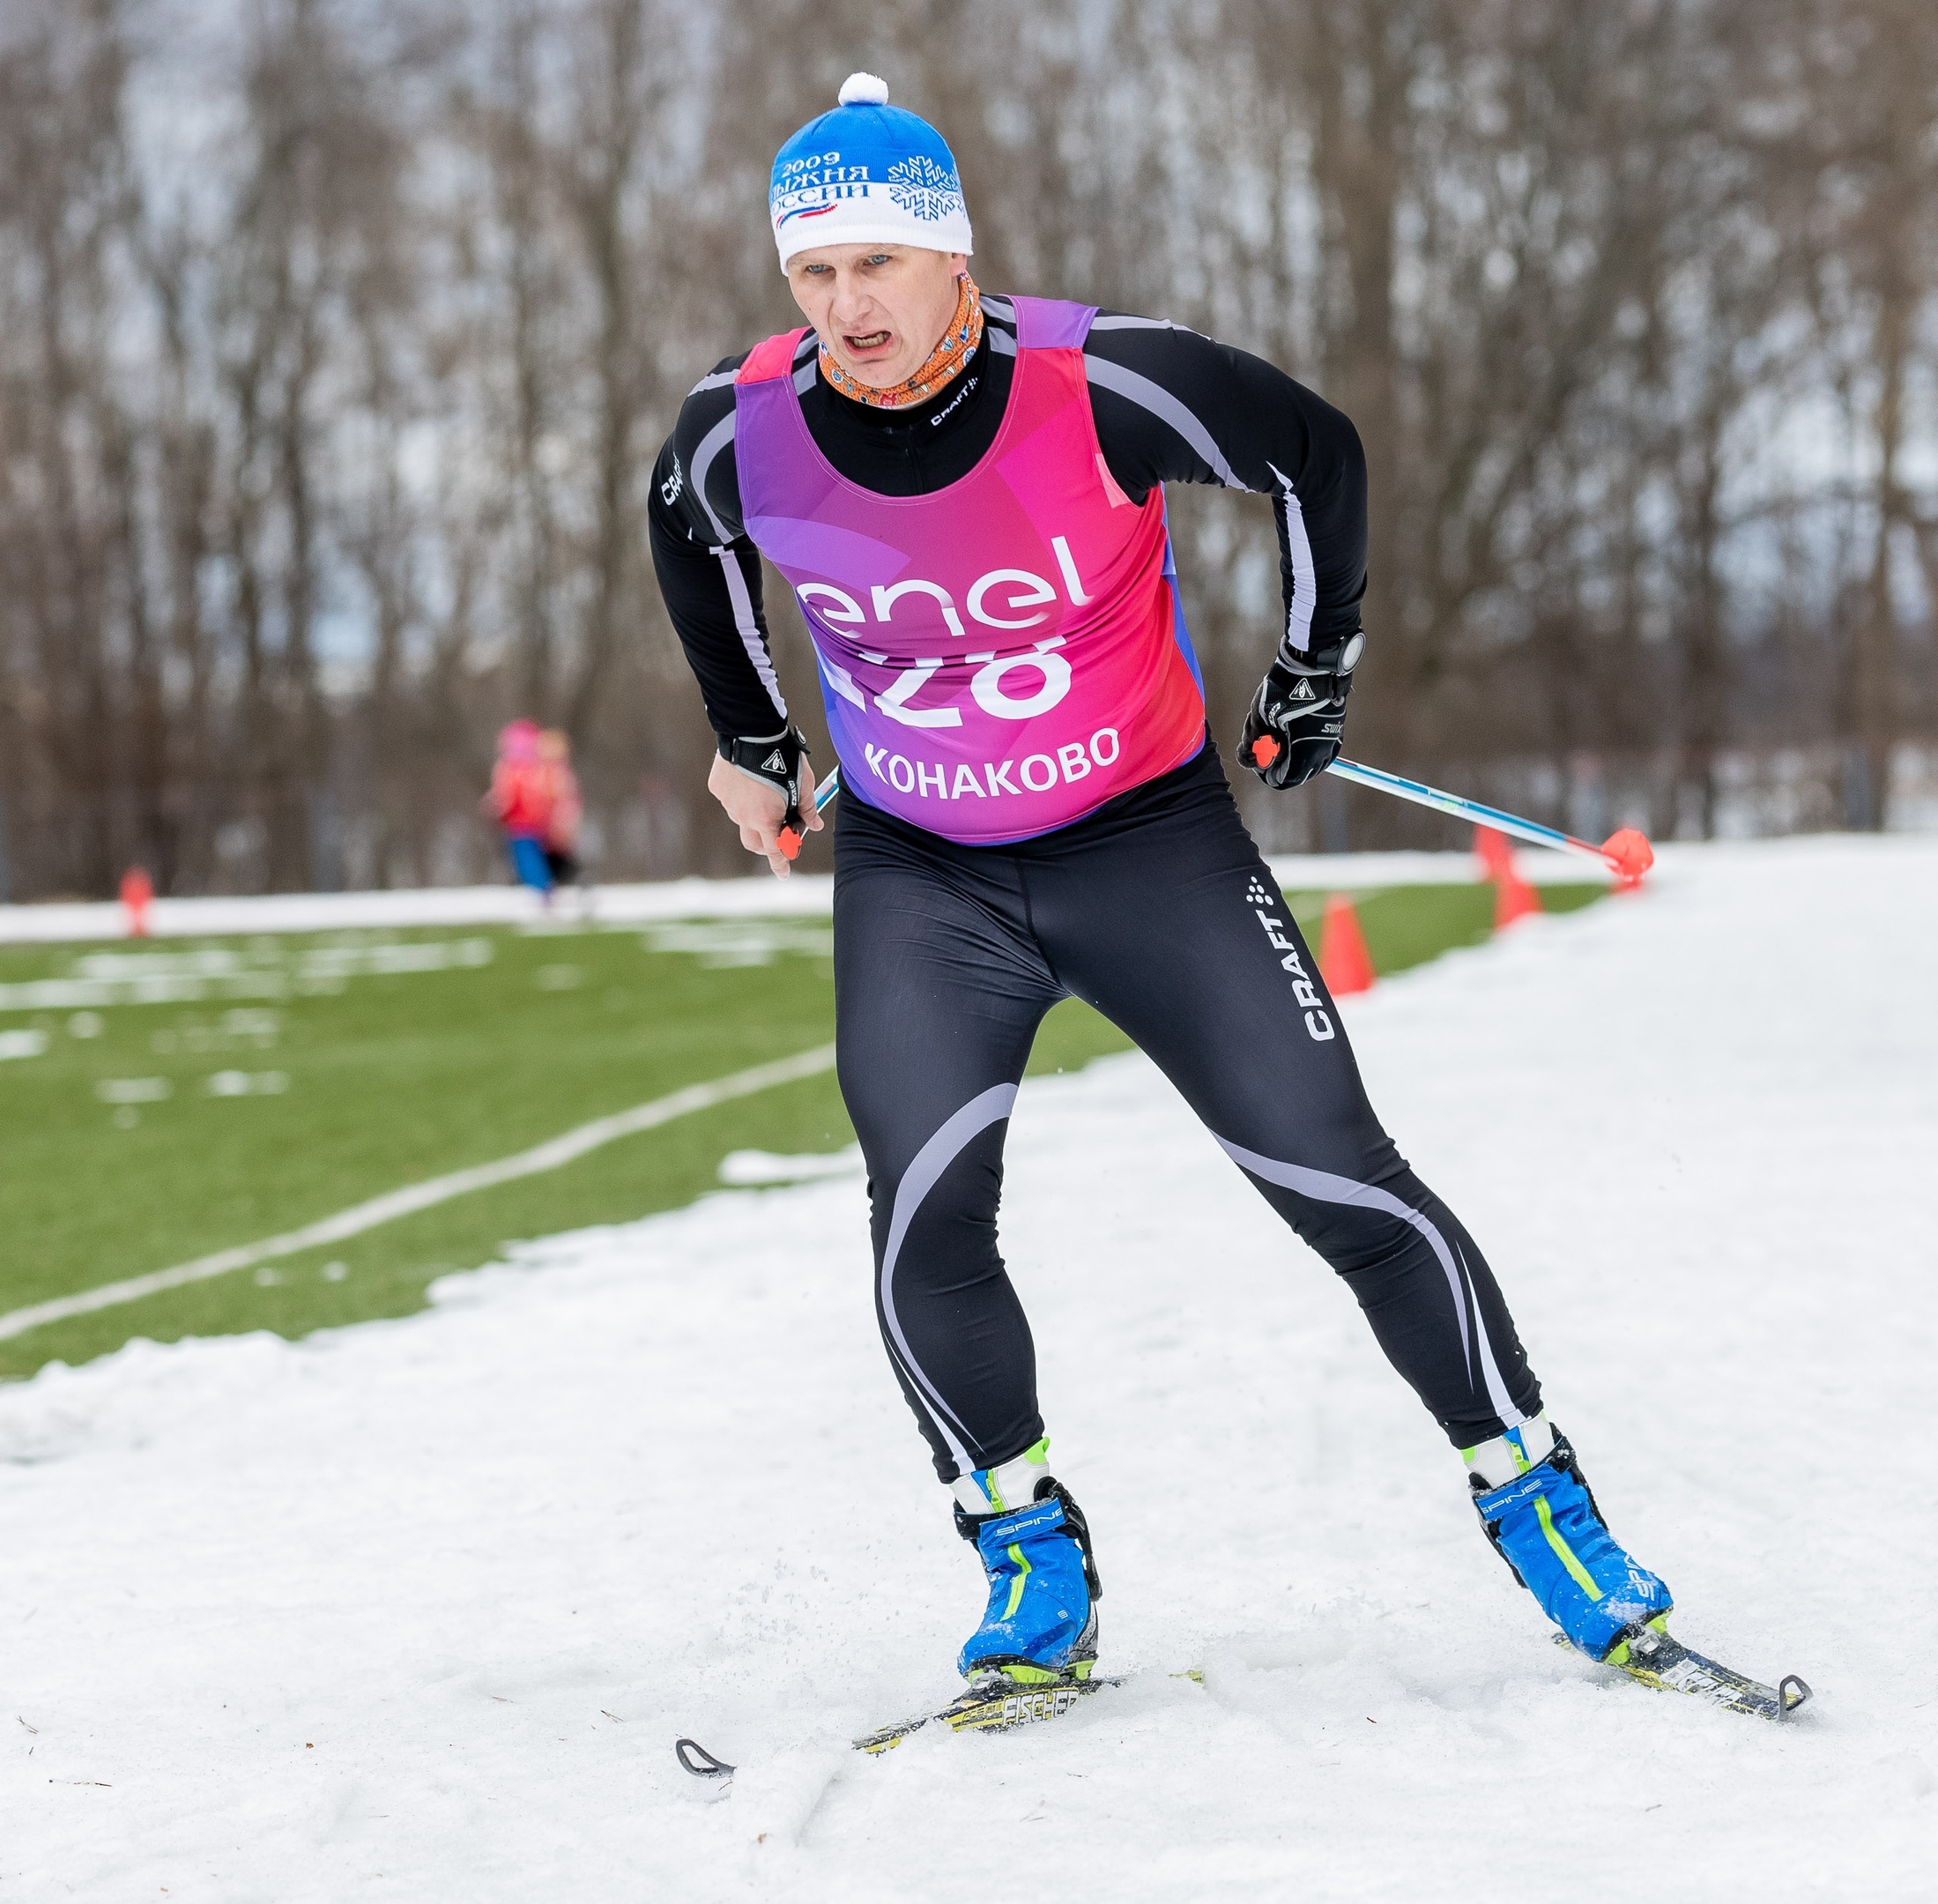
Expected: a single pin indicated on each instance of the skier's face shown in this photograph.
(879, 308)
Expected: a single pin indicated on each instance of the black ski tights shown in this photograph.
(1158, 910)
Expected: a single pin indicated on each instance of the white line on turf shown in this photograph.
(414, 1197)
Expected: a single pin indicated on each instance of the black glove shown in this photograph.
(779, 760)
(1293, 727)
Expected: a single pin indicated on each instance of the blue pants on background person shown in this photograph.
(529, 861)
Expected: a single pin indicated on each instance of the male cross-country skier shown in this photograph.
(966, 494)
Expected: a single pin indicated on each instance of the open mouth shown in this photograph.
(867, 341)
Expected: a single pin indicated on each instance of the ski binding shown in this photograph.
(996, 1703)
(1652, 1656)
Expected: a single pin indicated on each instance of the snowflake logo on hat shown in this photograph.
(922, 187)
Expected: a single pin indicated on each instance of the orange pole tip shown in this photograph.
(1629, 853)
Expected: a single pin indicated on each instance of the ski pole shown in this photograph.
(1626, 853)
(790, 841)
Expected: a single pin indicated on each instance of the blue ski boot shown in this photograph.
(1543, 1521)
(1041, 1623)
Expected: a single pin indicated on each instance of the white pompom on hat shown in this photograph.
(867, 173)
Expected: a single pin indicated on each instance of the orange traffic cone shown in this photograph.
(1495, 851)
(1514, 898)
(1344, 961)
(137, 889)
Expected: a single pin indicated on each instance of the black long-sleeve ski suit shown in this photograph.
(1170, 407)
(1156, 908)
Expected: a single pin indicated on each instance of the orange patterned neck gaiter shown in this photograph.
(963, 334)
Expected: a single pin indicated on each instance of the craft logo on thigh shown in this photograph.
(1319, 1025)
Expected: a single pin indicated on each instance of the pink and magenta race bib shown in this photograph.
(1000, 657)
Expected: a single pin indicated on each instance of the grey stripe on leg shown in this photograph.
(1496, 1388)
(1323, 1187)
(920, 1177)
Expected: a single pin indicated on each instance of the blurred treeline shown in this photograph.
(338, 338)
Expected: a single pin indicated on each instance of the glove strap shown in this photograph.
(778, 761)
(1328, 678)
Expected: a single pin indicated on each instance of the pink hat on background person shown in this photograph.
(519, 740)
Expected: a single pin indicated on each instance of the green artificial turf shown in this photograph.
(313, 1072)
(1406, 926)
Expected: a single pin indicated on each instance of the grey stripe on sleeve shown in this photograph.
(1162, 405)
(1141, 323)
(1306, 576)
(711, 444)
(720, 379)
(749, 628)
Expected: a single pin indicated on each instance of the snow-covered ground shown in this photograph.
(304, 1622)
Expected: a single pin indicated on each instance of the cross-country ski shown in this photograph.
(995, 1706)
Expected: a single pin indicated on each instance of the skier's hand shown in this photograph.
(1293, 727)
(767, 803)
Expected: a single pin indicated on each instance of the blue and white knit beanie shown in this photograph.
(867, 173)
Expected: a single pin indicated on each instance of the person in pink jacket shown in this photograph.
(521, 802)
